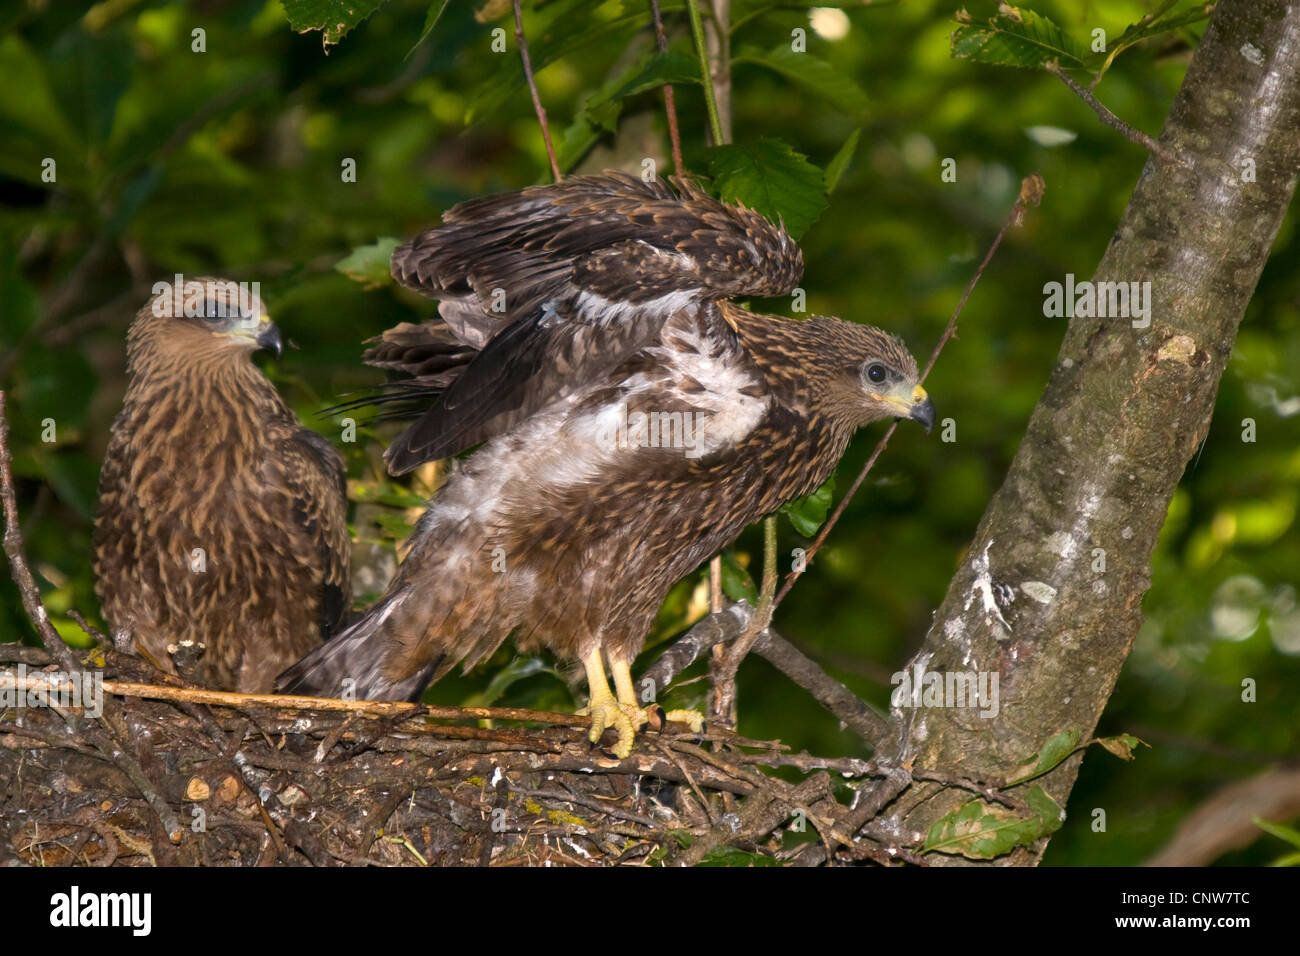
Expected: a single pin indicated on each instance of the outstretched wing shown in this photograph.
(558, 283)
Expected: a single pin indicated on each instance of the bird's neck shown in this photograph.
(200, 399)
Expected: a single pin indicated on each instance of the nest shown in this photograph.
(167, 774)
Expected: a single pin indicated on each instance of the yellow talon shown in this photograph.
(623, 713)
(605, 711)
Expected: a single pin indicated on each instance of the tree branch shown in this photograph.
(532, 88)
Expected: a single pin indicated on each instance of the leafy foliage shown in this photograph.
(769, 176)
(981, 832)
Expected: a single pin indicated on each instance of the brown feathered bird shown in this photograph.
(634, 420)
(222, 525)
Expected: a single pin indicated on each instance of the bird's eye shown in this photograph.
(213, 311)
(876, 373)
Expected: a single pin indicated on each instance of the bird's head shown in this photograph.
(206, 316)
(875, 377)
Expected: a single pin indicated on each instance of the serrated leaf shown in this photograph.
(1121, 745)
(736, 582)
(333, 18)
(840, 161)
(1017, 37)
(812, 74)
(369, 265)
(978, 831)
(772, 178)
(808, 513)
(1152, 25)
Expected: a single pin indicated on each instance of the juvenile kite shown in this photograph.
(633, 421)
(222, 524)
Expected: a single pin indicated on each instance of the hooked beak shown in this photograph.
(915, 405)
(268, 337)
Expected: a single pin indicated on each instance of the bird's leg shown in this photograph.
(622, 672)
(605, 711)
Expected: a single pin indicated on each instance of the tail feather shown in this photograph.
(352, 665)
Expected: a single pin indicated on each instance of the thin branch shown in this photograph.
(716, 629)
(717, 38)
(1131, 133)
(670, 102)
(377, 708)
(1031, 192)
(13, 548)
(706, 74)
(532, 88)
(727, 664)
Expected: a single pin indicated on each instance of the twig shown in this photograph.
(706, 73)
(717, 38)
(91, 631)
(718, 628)
(371, 707)
(13, 548)
(761, 813)
(1107, 117)
(1031, 191)
(532, 88)
(706, 634)
(670, 102)
(726, 665)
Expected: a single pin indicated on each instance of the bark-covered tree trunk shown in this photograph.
(1123, 413)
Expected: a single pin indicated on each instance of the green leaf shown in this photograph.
(840, 161)
(1161, 20)
(978, 831)
(431, 18)
(808, 513)
(558, 30)
(333, 18)
(517, 670)
(1018, 37)
(1054, 751)
(1121, 745)
(369, 265)
(772, 178)
(1288, 834)
(383, 493)
(736, 582)
(671, 68)
(393, 524)
(36, 108)
(730, 856)
(812, 74)
(603, 108)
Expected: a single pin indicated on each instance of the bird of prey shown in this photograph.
(632, 420)
(221, 531)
